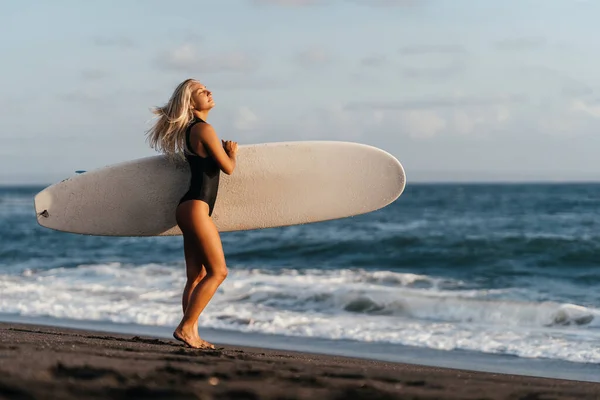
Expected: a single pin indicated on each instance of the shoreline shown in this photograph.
(384, 352)
(38, 361)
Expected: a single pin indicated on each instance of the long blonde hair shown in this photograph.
(167, 135)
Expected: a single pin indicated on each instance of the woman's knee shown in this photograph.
(196, 277)
(219, 272)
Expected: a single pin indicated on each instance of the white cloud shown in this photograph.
(475, 120)
(422, 123)
(489, 117)
(335, 122)
(436, 72)
(591, 109)
(87, 95)
(245, 119)
(188, 58)
(464, 123)
(426, 123)
(94, 74)
(115, 41)
(305, 3)
(449, 49)
(288, 3)
(424, 119)
(521, 43)
(312, 57)
(388, 3)
(373, 61)
(439, 102)
(240, 123)
(252, 82)
(183, 56)
(502, 113)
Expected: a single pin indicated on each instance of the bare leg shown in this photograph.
(187, 292)
(195, 272)
(206, 244)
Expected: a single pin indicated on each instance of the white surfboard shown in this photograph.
(273, 185)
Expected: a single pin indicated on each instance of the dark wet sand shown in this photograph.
(38, 362)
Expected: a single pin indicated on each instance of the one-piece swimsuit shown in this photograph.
(205, 174)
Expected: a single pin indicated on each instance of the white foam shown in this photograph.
(390, 307)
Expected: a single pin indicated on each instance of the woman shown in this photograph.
(182, 129)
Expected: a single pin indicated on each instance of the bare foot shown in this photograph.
(190, 340)
(207, 344)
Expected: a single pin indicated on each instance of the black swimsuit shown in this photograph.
(204, 182)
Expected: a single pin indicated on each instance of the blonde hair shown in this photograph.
(167, 135)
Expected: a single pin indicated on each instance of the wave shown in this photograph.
(354, 304)
(355, 291)
(403, 295)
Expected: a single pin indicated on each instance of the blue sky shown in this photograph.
(457, 90)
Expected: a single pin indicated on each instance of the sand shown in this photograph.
(40, 362)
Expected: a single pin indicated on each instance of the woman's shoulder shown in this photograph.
(202, 128)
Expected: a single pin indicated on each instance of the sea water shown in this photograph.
(511, 269)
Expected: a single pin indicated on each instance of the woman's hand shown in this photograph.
(230, 147)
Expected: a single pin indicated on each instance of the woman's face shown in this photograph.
(201, 97)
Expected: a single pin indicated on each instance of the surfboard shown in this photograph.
(274, 184)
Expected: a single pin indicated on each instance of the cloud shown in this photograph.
(85, 96)
(249, 82)
(334, 122)
(373, 61)
(181, 57)
(115, 41)
(555, 79)
(442, 102)
(428, 123)
(98, 96)
(575, 88)
(190, 36)
(433, 61)
(188, 58)
(373, 124)
(422, 123)
(451, 49)
(443, 72)
(568, 118)
(242, 123)
(94, 74)
(245, 119)
(485, 116)
(591, 108)
(96, 102)
(388, 3)
(466, 122)
(424, 119)
(313, 57)
(307, 3)
(521, 44)
(287, 3)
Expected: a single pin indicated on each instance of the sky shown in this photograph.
(457, 90)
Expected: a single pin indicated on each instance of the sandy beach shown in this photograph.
(41, 362)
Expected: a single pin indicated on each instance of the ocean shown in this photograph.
(500, 269)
